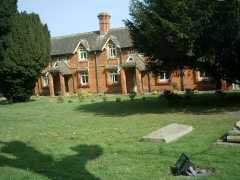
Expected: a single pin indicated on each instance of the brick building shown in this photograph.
(104, 61)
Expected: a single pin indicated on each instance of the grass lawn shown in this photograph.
(47, 140)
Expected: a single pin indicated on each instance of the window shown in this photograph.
(45, 81)
(112, 51)
(202, 75)
(82, 54)
(132, 51)
(163, 76)
(84, 78)
(114, 77)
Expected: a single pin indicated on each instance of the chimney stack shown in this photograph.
(104, 22)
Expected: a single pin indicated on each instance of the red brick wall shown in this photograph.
(147, 81)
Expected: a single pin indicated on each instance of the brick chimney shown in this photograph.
(104, 22)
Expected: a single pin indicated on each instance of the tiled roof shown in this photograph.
(67, 44)
(135, 60)
(61, 67)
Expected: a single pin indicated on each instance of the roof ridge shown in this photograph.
(72, 35)
(83, 33)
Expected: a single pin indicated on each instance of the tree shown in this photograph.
(8, 8)
(26, 56)
(162, 30)
(198, 33)
(217, 44)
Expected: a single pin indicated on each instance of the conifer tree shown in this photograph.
(26, 56)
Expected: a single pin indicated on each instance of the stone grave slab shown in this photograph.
(168, 133)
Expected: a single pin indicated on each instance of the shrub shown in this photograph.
(118, 99)
(60, 99)
(104, 98)
(70, 101)
(174, 86)
(169, 95)
(144, 98)
(82, 96)
(188, 94)
(154, 93)
(132, 95)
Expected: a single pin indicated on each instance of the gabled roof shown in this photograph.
(63, 45)
(135, 60)
(61, 67)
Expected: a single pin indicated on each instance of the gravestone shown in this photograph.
(168, 133)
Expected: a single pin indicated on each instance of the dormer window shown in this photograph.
(82, 54)
(112, 51)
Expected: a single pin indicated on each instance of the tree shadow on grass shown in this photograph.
(198, 104)
(19, 155)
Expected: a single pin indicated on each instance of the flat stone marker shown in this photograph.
(238, 124)
(168, 133)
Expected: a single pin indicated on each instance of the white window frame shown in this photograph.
(114, 76)
(165, 78)
(112, 51)
(82, 54)
(202, 78)
(84, 78)
(45, 81)
(235, 87)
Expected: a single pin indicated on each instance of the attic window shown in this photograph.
(82, 54)
(112, 51)
(130, 60)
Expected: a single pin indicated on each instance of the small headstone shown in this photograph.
(169, 133)
(238, 124)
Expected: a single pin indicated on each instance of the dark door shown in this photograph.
(130, 78)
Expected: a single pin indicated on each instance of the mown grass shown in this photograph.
(44, 139)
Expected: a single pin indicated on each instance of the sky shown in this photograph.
(75, 16)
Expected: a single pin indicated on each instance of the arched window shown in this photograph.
(82, 54)
(112, 51)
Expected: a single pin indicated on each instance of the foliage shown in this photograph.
(104, 98)
(8, 9)
(25, 58)
(170, 95)
(60, 99)
(218, 42)
(162, 30)
(132, 95)
(188, 94)
(199, 34)
(144, 98)
(155, 93)
(118, 99)
(81, 96)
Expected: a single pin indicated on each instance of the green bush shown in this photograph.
(104, 98)
(60, 99)
(155, 93)
(93, 100)
(169, 95)
(83, 95)
(144, 98)
(70, 101)
(118, 99)
(132, 95)
(188, 94)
